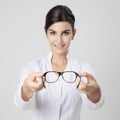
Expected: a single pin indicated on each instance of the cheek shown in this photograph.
(68, 39)
(50, 39)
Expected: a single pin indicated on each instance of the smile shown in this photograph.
(59, 46)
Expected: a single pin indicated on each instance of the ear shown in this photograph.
(74, 32)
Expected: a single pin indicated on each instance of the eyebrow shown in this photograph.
(67, 30)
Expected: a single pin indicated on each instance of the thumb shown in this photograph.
(82, 87)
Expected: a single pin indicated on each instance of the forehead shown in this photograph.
(60, 26)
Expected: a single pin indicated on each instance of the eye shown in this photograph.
(52, 33)
(66, 33)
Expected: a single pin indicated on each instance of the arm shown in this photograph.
(31, 85)
(25, 95)
(90, 90)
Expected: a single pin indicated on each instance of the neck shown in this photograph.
(59, 59)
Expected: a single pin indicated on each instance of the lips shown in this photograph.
(59, 46)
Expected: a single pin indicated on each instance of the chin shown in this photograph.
(59, 52)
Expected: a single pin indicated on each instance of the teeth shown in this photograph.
(59, 46)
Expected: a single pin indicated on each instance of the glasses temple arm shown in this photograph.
(43, 84)
(79, 81)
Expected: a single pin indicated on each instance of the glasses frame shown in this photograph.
(61, 74)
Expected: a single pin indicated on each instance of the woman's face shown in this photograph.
(59, 36)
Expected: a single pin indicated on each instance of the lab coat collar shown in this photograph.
(49, 56)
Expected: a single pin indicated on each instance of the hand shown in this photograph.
(34, 82)
(91, 88)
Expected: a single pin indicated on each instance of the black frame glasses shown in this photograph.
(68, 76)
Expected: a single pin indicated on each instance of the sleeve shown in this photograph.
(87, 68)
(19, 102)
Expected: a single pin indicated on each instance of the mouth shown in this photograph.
(60, 46)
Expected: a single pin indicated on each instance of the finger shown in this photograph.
(37, 74)
(82, 87)
(36, 81)
(77, 82)
(37, 85)
(43, 81)
(88, 75)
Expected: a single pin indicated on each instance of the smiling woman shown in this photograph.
(71, 83)
(59, 36)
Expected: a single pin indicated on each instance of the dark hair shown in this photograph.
(57, 14)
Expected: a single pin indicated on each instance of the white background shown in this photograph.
(97, 42)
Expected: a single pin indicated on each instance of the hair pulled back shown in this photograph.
(59, 13)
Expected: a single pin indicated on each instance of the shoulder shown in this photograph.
(82, 67)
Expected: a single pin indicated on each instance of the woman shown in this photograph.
(56, 85)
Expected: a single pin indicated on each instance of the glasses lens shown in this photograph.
(69, 76)
(51, 77)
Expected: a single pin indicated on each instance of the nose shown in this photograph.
(59, 39)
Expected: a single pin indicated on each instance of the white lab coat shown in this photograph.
(59, 100)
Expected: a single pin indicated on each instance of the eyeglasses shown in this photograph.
(68, 76)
